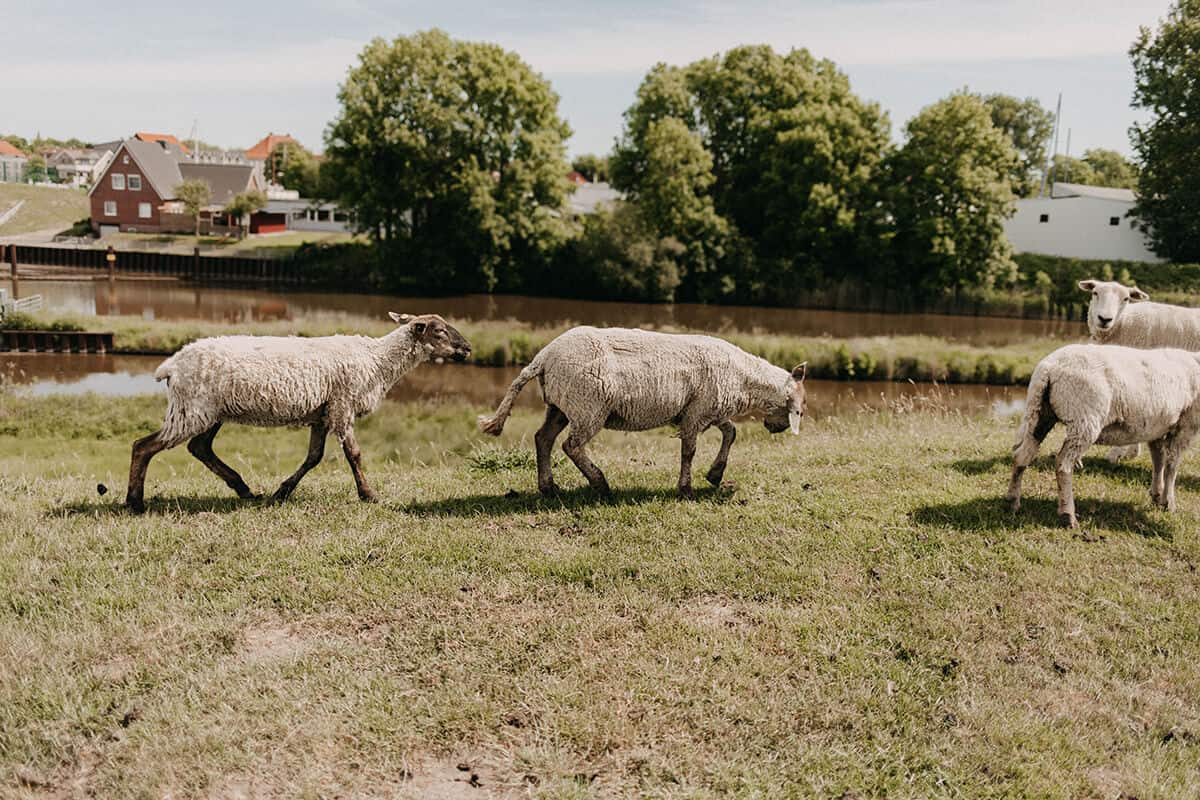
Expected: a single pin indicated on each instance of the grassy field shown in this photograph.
(507, 343)
(860, 617)
(44, 209)
(275, 245)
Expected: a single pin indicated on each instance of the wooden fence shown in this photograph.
(234, 269)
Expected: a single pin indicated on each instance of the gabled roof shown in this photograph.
(226, 180)
(1059, 190)
(267, 144)
(7, 149)
(158, 162)
(161, 137)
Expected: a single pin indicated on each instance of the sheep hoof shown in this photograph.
(136, 506)
(714, 476)
(1014, 503)
(368, 496)
(1070, 520)
(549, 489)
(687, 493)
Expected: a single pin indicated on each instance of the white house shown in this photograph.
(1080, 222)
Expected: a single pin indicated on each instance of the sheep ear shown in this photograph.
(800, 370)
(1087, 286)
(400, 318)
(1137, 294)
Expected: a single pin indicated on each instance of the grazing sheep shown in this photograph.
(635, 380)
(1111, 395)
(1116, 316)
(322, 383)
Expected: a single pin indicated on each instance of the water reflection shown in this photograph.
(171, 299)
(118, 375)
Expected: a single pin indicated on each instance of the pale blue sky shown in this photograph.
(101, 71)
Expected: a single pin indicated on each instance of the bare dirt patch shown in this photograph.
(272, 641)
(715, 611)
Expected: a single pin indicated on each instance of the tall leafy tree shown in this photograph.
(794, 155)
(293, 167)
(951, 192)
(243, 204)
(592, 167)
(1029, 125)
(452, 154)
(1166, 65)
(1110, 168)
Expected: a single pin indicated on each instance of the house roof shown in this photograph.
(7, 149)
(268, 143)
(1059, 190)
(159, 163)
(226, 180)
(161, 137)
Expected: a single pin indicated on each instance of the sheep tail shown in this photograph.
(494, 424)
(1026, 446)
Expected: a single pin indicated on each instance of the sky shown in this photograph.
(238, 70)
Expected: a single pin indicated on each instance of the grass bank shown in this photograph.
(861, 618)
(44, 208)
(508, 343)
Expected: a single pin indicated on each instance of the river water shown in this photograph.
(42, 374)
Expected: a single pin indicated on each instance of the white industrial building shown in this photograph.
(1079, 221)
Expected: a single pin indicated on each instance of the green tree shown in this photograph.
(951, 192)
(1167, 85)
(452, 154)
(35, 171)
(592, 167)
(292, 166)
(195, 195)
(1068, 169)
(1111, 168)
(243, 204)
(794, 158)
(624, 258)
(1029, 125)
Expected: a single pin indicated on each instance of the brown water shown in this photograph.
(171, 299)
(43, 374)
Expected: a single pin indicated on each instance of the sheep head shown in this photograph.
(794, 403)
(1109, 300)
(439, 338)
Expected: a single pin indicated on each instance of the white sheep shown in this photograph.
(323, 383)
(1118, 315)
(1110, 395)
(635, 380)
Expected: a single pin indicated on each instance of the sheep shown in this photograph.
(635, 380)
(321, 383)
(1118, 315)
(1112, 395)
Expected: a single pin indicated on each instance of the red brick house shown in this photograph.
(136, 193)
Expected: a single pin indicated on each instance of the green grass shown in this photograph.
(507, 343)
(44, 209)
(862, 617)
(280, 245)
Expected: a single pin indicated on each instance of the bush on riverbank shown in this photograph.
(510, 343)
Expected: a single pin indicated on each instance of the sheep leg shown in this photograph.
(1156, 475)
(1075, 445)
(354, 456)
(316, 451)
(687, 451)
(144, 449)
(1025, 452)
(576, 449)
(201, 447)
(728, 435)
(543, 440)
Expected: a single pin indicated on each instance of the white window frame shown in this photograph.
(118, 181)
(144, 211)
(110, 208)
(131, 180)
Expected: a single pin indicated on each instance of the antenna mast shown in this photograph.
(1050, 158)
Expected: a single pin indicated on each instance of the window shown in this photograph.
(144, 210)
(1044, 218)
(135, 183)
(110, 208)
(125, 159)
(1114, 220)
(118, 181)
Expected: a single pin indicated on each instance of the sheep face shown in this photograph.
(789, 412)
(439, 338)
(1109, 300)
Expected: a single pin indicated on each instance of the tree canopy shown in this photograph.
(1166, 67)
(1029, 126)
(292, 166)
(452, 155)
(791, 157)
(950, 192)
(195, 194)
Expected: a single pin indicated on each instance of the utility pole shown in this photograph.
(1050, 157)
